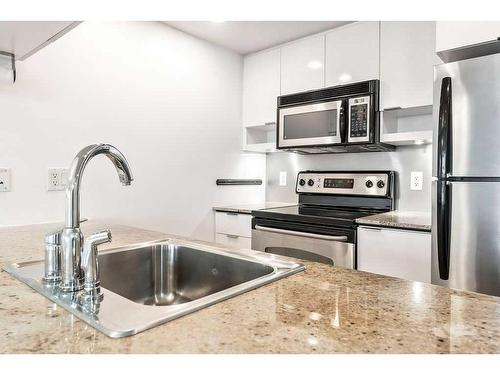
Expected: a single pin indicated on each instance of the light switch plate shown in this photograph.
(4, 180)
(416, 180)
(283, 178)
(57, 179)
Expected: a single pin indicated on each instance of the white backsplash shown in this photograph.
(404, 160)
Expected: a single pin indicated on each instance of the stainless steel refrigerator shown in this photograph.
(466, 187)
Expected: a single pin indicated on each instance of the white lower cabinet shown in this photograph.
(393, 252)
(233, 240)
(233, 229)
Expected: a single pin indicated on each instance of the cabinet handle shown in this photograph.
(232, 213)
(232, 236)
(391, 109)
(270, 123)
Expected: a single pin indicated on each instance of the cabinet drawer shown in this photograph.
(233, 223)
(399, 253)
(234, 241)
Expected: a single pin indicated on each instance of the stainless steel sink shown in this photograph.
(151, 283)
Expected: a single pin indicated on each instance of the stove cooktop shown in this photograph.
(314, 214)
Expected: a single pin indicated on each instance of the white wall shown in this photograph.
(170, 102)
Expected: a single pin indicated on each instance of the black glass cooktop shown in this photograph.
(314, 214)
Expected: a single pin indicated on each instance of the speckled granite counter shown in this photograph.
(248, 208)
(399, 219)
(321, 310)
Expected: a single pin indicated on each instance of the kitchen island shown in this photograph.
(321, 310)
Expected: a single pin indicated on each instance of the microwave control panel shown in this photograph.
(359, 119)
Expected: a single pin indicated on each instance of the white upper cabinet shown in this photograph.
(456, 34)
(261, 87)
(464, 40)
(302, 65)
(407, 59)
(352, 53)
(24, 38)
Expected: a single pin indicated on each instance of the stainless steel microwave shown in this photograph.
(335, 119)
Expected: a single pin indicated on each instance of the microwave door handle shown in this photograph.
(342, 122)
(443, 229)
(302, 234)
(444, 148)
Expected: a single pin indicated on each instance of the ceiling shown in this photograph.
(251, 36)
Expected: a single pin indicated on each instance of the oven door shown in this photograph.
(310, 125)
(335, 250)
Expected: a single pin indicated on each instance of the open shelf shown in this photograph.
(260, 138)
(408, 138)
(407, 126)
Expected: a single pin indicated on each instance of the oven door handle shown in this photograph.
(302, 234)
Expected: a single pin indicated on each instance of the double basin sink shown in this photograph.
(151, 283)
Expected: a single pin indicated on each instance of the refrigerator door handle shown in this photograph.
(444, 147)
(443, 228)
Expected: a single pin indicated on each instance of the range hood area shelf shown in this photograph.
(406, 126)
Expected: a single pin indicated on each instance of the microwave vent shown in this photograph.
(359, 88)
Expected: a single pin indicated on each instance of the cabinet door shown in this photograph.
(407, 58)
(261, 87)
(456, 34)
(352, 53)
(398, 253)
(302, 65)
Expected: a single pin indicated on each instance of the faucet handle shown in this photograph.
(90, 265)
(52, 274)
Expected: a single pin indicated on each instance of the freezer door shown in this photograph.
(475, 116)
(472, 256)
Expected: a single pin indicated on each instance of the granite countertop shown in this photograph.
(321, 310)
(248, 208)
(399, 219)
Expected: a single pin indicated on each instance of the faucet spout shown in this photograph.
(75, 177)
(71, 239)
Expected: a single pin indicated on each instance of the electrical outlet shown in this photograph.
(283, 178)
(57, 179)
(416, 180)
(4, 179)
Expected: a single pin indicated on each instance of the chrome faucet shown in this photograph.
(73, 275)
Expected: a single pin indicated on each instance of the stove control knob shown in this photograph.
(302, 182)
(380, 184)
(369, 183)
(310, 182)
